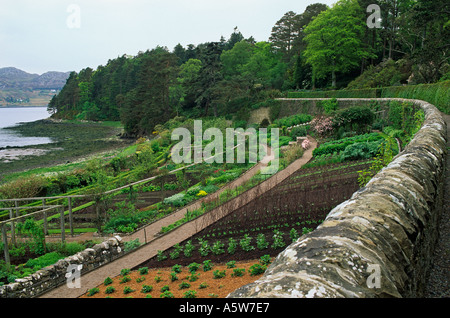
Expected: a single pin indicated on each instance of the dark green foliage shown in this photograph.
(356, 118)
(361, 150)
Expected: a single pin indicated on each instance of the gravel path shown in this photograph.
(439, 280)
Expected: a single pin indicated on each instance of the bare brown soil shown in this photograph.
(215, 287)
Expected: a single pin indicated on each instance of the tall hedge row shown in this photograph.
(437, 94)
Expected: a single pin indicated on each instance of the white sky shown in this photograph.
(35, 35)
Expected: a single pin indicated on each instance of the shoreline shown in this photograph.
(74, 142)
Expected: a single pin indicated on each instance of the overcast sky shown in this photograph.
(68, 35)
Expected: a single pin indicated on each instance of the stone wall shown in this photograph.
(380, 242)
(55, 275)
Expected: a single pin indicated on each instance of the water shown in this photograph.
(12, 116)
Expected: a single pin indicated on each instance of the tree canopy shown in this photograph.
(322, 47)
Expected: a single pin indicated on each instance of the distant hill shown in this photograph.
(19, 88)
(11, 77)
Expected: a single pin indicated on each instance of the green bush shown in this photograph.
(358, 117)
(93, 291)
(190, 294)
(257, 269)
(44, 260)
(238, 272)
(217, 274)
(146, 289)
(362, 150)
(293, 120)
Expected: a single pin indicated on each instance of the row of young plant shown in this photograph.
(194, 270)
(246, 243)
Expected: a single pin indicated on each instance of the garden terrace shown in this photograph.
(380, 242)
(295, 206)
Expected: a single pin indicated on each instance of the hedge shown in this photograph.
(437, 94)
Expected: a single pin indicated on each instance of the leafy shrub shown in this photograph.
(125, 279)
(218, 248)
(173, 277)
(193, 277)
(359, 117)
(176, 251)
(184, 285)
(238, 272)
(44, 260)
(143, 270)
(360, 151)
(107, 281)
(207, 266)
(204, 247)
(261, 242)
(231, 264)
(131, 245)
(293, 120)
(176, 200)
(125, 271)
(265, 259)
(193, 267)
(160, 256)
(203, 285)
(232, 245)
(300, 131)
(217, 274)
(110, 290)
(339, 145)
(293, 234)
(188, 249)
(278, 240)
(165, 288)
(245, 243)
(93, 291)
(190, 294)
(146, 288)
(257, 269)
(127, 290)
(176, 268)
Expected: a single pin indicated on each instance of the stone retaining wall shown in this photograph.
(380, 242)
(55, 275)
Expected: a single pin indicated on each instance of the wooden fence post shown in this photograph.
(5, 244)
(45, 224)
(63, 233)
(70, 216)
(13, 228)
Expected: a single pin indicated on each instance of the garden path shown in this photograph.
(438, 285)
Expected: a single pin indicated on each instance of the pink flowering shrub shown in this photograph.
(322, 125)
(306, 144)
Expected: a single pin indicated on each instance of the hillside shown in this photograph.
(19, 88)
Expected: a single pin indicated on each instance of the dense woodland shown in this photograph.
(321, 48)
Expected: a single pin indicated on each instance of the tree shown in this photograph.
(209, 76)
(284, 34)
(431, 26)
(182, 94)
(334, 40)
(148, 104)
(235, 59)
